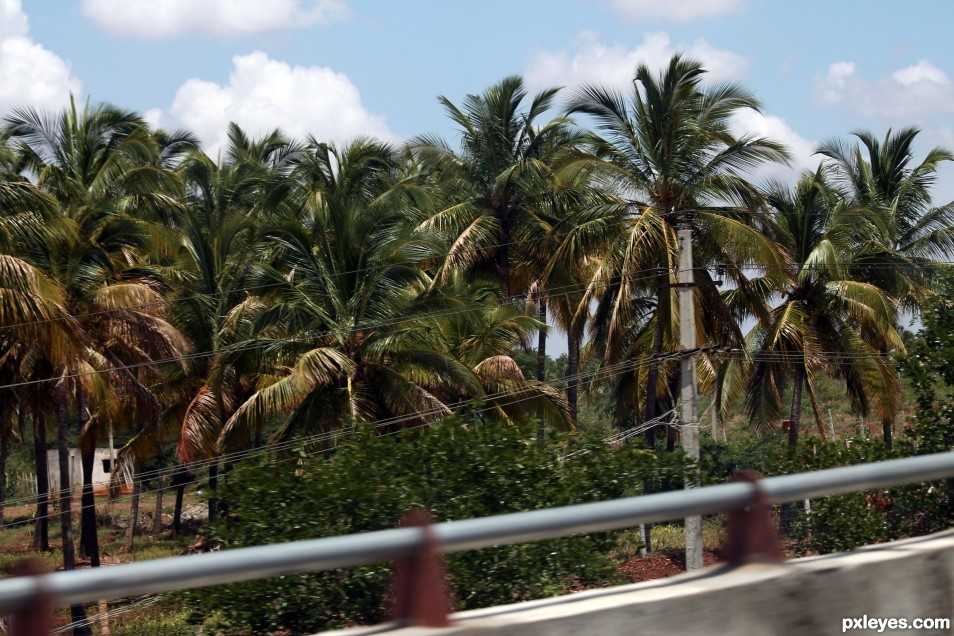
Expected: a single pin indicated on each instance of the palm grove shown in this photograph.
(288, 289)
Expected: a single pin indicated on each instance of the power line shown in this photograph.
(309, 335)
(609, 371)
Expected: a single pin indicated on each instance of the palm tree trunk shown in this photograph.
(4, 452)
(133, 502)
(541, 354)
(652, 381)
(572, 369)
(157, 518)
(66, 504)
(819, 424)
(41, 530)
(133, 510)
(887, 421)
(179, 481)
(796, 408)
(77, 612)
(653, 375)
(213, 484)
(503, 255)
(89, 541)
(672, 432)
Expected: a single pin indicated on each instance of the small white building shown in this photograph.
(102, 470)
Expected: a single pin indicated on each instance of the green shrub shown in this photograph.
(456, 470)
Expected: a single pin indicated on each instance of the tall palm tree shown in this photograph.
(578, 216)
(826, 307)
(903, 256)
(345, 330)
(492, 184)
(227, 205)
(668, 155)
(100, 167)
(480, 332)
(34, 326)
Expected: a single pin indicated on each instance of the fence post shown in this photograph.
(419, 594)
(750, 532)
(34, 620)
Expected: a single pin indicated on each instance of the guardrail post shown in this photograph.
(420, 595)
(34, 620)
(751, 534)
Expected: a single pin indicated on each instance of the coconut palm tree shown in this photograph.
(480, 331)
(100, 167)
(914, 235)
(226, 204)
(345, 328)
(33, 324)
(492, 184)
(668, 154)
(825, 309)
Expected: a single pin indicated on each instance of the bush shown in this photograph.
(456, 470)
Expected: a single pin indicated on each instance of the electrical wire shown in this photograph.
(601, 374)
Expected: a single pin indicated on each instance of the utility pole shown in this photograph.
(690, 425)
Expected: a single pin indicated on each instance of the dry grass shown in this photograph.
(143, 619)
(668, 537)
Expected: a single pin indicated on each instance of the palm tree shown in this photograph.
(501, 190)
(100, 167)
(902, 257)
(826, 307)
(667, 153)
(480, 332)
(33, 324)
(491, 185)
(578, 216)
(226, 205)
(345, 328)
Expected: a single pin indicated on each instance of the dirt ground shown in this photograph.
(661, 565)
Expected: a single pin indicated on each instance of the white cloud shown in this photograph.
(680, 10)
(153, 117)
(13, 22)
(219, 18)
(914, 92)
(30, 75)
(263, 93)
(923, 71)
(750, 122)
(595, 62)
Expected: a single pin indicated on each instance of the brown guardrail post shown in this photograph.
(420, 594)
(34, 620)
(751, 534)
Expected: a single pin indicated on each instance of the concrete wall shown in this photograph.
(907, 579)
(100, 475)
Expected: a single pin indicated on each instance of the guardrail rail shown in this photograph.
(417, 545)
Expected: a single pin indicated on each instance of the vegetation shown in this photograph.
(295, 296)
(458, 469)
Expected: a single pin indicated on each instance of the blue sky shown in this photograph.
(339, 68)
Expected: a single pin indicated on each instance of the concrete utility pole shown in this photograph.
(690, 425)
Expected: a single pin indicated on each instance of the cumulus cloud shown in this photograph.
(220, 18)
(592, 61)
(30, 74)
(750, 122)
(263, 93)
(913, 92)
(679, 10)
(13, 21)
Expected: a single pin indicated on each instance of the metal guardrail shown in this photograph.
(244, 564)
